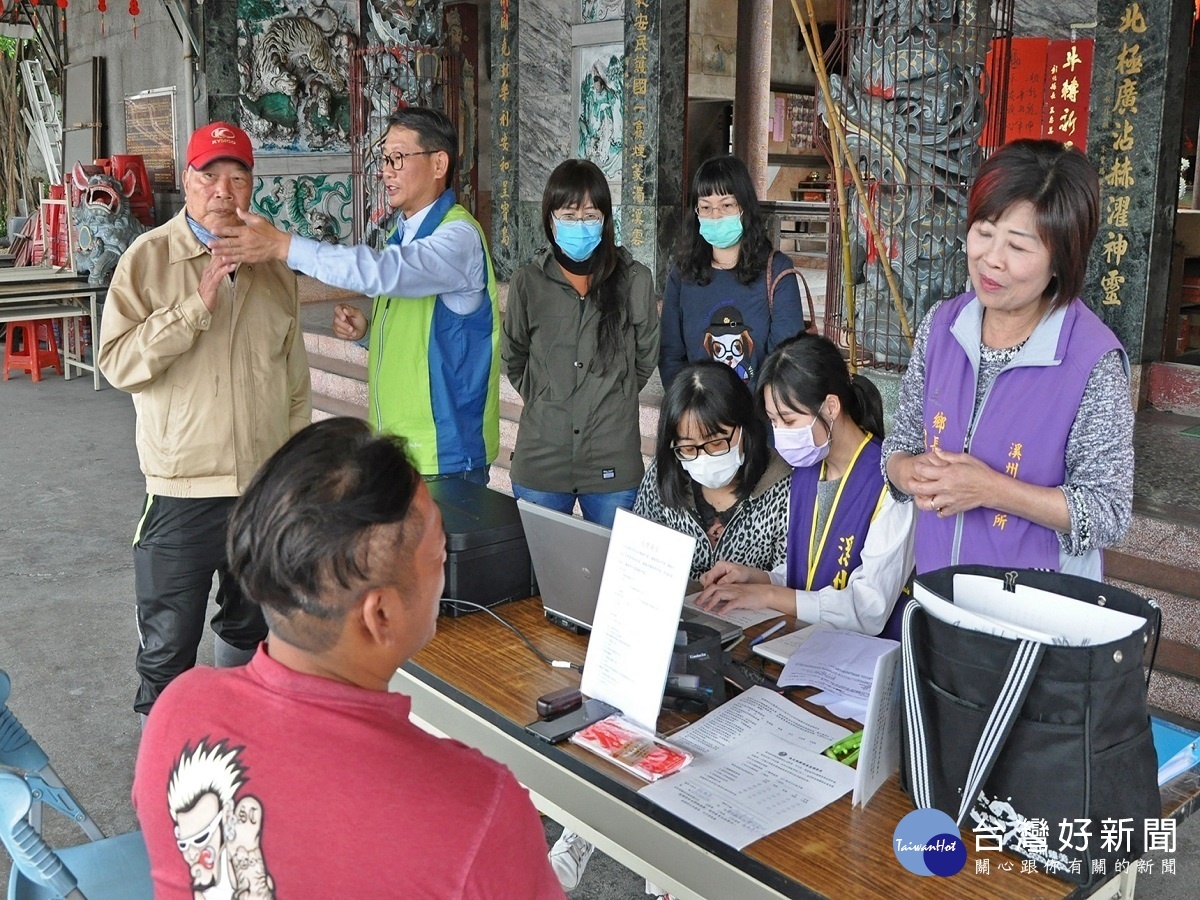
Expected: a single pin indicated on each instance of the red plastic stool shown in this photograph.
(31, 357)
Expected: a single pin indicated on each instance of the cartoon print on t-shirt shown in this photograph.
(728, 340)
(218, 833)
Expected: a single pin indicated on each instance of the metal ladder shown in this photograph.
(41, 117)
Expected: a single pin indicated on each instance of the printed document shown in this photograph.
(758, 711)
(842, 662)
(879, 755)
(780, 649)
(752, 789)
(758, 767)
(637, 617)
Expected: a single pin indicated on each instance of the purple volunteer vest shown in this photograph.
(815, 561)
(1022, 430)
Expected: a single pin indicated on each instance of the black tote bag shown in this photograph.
(1004, 735)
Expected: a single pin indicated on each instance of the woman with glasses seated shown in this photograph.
(850, 542)
(715, 477)
(716, 304)
(714, 474)
(579, 341)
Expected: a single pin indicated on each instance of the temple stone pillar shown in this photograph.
(653, 192)
(535, 123)
(752, 88)
(1134, 140)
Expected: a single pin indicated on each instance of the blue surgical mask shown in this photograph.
(578, 240)
(723, 232)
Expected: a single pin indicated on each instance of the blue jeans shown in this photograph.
(476, 476)
(600, 508)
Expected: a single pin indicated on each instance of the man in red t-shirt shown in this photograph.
(299, 775)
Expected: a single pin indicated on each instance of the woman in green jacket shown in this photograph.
(580, 340)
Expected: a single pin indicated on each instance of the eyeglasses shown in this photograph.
(395, 161)
(716, 447)
(572, 219)
(728, 208)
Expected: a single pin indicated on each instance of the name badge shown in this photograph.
(608, 473)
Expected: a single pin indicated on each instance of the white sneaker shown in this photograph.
(569, 857)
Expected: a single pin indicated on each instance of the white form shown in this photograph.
(780, 649)
(879, 755)
(743, 618)
(637, 616)
(758, 711)
(751, 789)
(842, 662)
(839, 706)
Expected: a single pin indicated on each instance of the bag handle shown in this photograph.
(773, 280)
(1014, 690)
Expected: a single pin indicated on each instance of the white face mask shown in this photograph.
(714, 471)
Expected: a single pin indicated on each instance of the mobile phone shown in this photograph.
(558, 702)
(562, 727)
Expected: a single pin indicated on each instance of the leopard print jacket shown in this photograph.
(755, 536)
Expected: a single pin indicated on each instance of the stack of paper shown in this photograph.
(840, 663)
(982, 603)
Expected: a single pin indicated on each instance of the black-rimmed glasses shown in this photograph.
(395, 161)
(716, 447)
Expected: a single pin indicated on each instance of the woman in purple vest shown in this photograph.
(849, 548)
(1014, 433)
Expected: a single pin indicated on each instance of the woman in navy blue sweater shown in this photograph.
(716, 305)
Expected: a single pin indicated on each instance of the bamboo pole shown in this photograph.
(843, 225)
(841, 146)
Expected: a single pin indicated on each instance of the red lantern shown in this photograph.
(62, 4)
(134, 9)
(102, 5)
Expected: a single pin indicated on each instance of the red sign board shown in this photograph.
(1068, 90)
(1049, 86)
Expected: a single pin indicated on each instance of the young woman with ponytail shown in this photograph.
(579, 341)
(849, 541)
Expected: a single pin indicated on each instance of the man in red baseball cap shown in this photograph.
(219, 378)
(220, 140)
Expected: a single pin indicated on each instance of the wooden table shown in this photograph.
(68, 299)
(477, 682)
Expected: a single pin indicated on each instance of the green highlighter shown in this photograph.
(846, 750)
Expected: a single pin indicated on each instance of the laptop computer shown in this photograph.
(568, 556)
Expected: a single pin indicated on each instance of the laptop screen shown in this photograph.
(568, 556)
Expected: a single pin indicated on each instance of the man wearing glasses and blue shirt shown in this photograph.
(434, 331)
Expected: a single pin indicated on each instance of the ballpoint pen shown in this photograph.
(770, 631)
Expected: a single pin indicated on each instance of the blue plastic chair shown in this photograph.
(104, 868)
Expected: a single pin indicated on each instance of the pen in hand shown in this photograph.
(778, 626)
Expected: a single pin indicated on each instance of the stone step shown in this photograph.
(1161, 559)
(338, 379)
(330, 347)
(330, 407)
